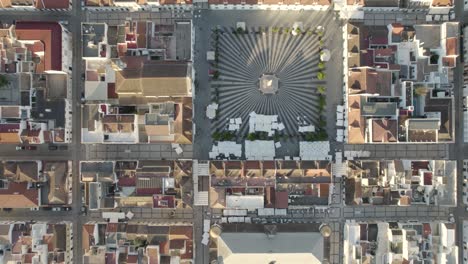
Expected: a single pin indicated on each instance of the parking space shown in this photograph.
(137, 151)
(396, 213)
(402, 151)
(465, 242)
(465, 182)
(150, 213)
(373, 18)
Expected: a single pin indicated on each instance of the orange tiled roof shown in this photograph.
(451, 46)
(397, 29)
(5, 3)
(356, 123)
(442, 2)
(362, 80)
(19, 196)
(449, 61)
(384, 130)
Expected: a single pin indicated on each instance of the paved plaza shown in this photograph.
(248, 60)
(268, 48)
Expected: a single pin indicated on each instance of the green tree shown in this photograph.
(252, 136)
(240, 30)
(298, 30)
(321, 89)
(3, 81)
(286, 30)
(216, 136)
(321, 135)
(310, 136)
(226, 136)
(277, 137)
(321, 75)
(322, 102)
(216, 75)
(322, 123)
(321, 65)
(140, 242)
(275, 30)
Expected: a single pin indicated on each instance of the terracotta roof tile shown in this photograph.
(384, 130)
(19, 196)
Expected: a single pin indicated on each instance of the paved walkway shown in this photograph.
(385, 18)
(396, 212)
(402, 151)
(204, 20)
(136, 151)
(149, 213)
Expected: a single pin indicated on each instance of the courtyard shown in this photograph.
(268, 64)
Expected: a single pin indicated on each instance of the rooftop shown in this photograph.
(287, 248)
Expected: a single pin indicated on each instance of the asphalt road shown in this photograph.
(338, 215)
(459, 147)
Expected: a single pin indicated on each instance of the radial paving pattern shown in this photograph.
(244, 58)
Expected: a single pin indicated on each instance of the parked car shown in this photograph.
(7, 209)
(31, 147)
(61, 208)
(20, 147)
(53, 147)
(34, 208)
(63, 147)
(83, 210)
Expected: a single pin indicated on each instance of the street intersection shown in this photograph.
(335, 216)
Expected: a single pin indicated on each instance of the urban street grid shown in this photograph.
(240, 75)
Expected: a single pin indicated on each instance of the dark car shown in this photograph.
(7, 209)
(52, 147)
(83, 210)
(31, 147)
(63, 147)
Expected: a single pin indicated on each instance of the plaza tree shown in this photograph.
(321, 65)
(321, 89)
(321, 75)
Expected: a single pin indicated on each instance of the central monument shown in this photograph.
(268, 84)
